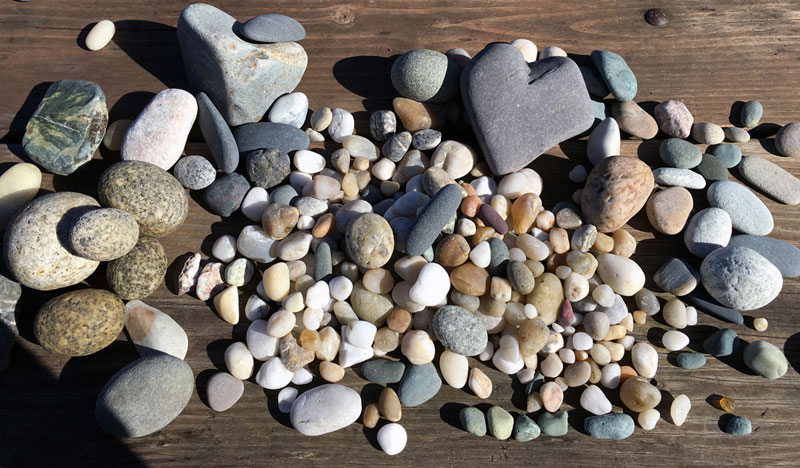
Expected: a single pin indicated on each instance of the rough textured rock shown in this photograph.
(369, 240)
(267, 168)
(540, 105)
(144, 396)
(273, 28)
(782, 254)
(138, 273)
(10, 293)
(67, 127)
(104, 234)
(242, 79)
(79, 323)
(740, 278)
(35, 240)
(425, 76)
(225, 195)
(154, 198)
(459, 330)
(616, 189)
(195, 172)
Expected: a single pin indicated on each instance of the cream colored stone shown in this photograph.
(480, 383)
(418, 347)
(227, 305)
(18, 185)
(454, 368)
(100, 35)
(276, 281)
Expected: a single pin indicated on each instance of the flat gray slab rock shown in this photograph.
(748, 213)
(770, 179)
(270, 135)
(518, 111)
(782, 254)
(242, 79)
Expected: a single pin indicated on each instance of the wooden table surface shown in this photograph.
(708, 56)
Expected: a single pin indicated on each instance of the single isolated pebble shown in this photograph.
(392, 438)
(100, 35)
(765, 359)
(223, 391)
(679, 409)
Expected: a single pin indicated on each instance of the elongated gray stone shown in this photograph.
(273, 28)
(241, 78)
(518, 111)
(748, 214)
(770, 179)
(782, 254)
(270, 136)
(432, 219)
(10, 293)
(217, 134)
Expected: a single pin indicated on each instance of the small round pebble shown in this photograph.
(392, 438)
(286, 397)
(656, 17)
(194, 172)
(751, 114)
(760, 324)
(739, 425)
(425, 76)
(473, 421)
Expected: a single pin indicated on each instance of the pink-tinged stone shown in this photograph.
(566, 316)
(159, 134)
(209, 282)
(616, 189)
(189, 273)
(674, 118)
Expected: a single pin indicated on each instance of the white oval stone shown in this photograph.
(431, 287)
(159, 133)
(609, 376)
(256, 245)
(392, 438)
(224, 248)
(513, 185)
(294, 246)
(285, 399)
(281, 323)
(457, 159)
(273, 375)
(648, 419)
(100, 35)
(318, 295)
(254, 203)
(261, 345)
(325, 409)
(341, 287)
(624, 275)
(153, 331)
(417, 346)
(454, 368)
(302, 376)
(604, 295)
(487, 352)
(255, 308)
(361, 147)
(675, 340)
(290, 109)
(308, 162)
(604, 141)
(581, 341)
(383, 169)
(679, 409)
(595, 401)
(528, 49)
(645, 359)
(481, 255)
(342, 125)
(361, 333)
(552, 51)
(239, 361)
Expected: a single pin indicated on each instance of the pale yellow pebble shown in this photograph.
(378, 281)
(360, 164)
(100, 35)
(616, 350)
(330, 371)
(328, 344)
(227, 305)
(350, 185)
(418, 347)
(386, 341)
(276, 281)
(615, 332)
(480, 383)
(18, 185)
(600, 354)
(297, 268)
(640, 317)
(674, 313)
(454, 368)
(294, 302)
(501, 206)
(281, 323)
(648, 419)
(627, 322)
(115, 133)
(760, 324)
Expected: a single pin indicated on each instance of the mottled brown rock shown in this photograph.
(293, 356)
(451, 251)
(155, 199)
(634, 120)
(279, 220)
(616, 189)
(138, 273)
(547, 296)
(79, 323)
(417, 116)
(36, 242)
(104, 234)
(669, 209)
(369, 240)
(532, 335)
(470, 279)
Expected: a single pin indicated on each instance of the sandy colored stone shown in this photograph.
(278, 220)
(547, 296)
(369, 240)
(669, 209)
(452, 251)
(104, 234)
(417, 116)
(469, 279)
(19, 184)
(616, 189)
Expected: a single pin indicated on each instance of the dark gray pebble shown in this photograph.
(217, 134)
(397, 146)
(427, 139)
(383, 371)
(691, 360)
(728, 153)
(225, 195)
(782, 254)
(432, 219)
(273, 28)
(270, 135)
(712, 168)
(382, 125)
(721, 343)
(419, 384)
(267, 167)
(703, 301)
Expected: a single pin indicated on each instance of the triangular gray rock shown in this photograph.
(242, 79)
(519, 111)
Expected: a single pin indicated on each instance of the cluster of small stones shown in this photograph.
(399, 240)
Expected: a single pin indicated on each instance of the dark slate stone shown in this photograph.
(65, 130)
(680, 153)
(285, 194)
(273, 28)
(712, 168)
(217, 134)
(427, 139)
(535, 384)
(397, 146)
(703, 301)
(383, 371)
(419, 384)
(525, 429)
(432, 219)
(539, 105)
(611, 426)
(270, 135)
(267, 167)
(738, 425)
(225, 195)
(594, 82)
(691, 360)
(499, 257)
(676, 276)
(616, 73)
(721, 343)
(782, 254)
(323, 264)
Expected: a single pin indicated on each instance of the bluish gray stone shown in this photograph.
(144, 396)
(539, 104)
(432, 219)
(273, 28)
(712, 168)
(525, 429)
(216, 60)
(419, 384)
(383, 371)
(782, 254)
(616, 311)
(217, 134)
(748, 214)
(473, 421)
(284, 194)
(647, 301)
(751, 114)
(707, 231)
(535, 384)
(616, 73)
(553, 424)
(704, 302)
(770, 179)
(594, 82)
(738, 425)
(397, 146)
(270, 135)
(691, 360)
(721, 343)
(600, 112)
(426, 76)
(195, 172)
(677, 277)
(765, 359)
(67, 127)
(225, 195)
(459, 330)
(323, 263)
(267, 168)
(676, 177)
(728, 153)
(611, 426)
(499, 256)
(680, 153)
(740, 278)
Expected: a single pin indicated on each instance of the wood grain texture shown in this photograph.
(708, 56)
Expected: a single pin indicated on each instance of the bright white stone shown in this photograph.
(457, 159)
(645, 359)
(581, 341)
(383, 169)
(691, 316)
(418, 347)
(318, 295)
(485, 187)
(290, 109)
(454, 368)
(273, 375)
(567, 355)
(528, 49)
(100, 35)
(487, 352)
(530, 311)
(342, 125)
(552, 51)
(577, 174)
(431, 287)
(281, 323)
(481, 255)
(648, 419)
(679, 409)
(302, 376)
(609, 376)
(627, 342)
(675, 340)
(604, 141)
(508, 359)
(254, 203)
(308, 161)
(294, 246)
(304, 223)
(261, 345)
(595, 401)
(604, 295)
(153, 331)
(255, 308)
(392, 438)
(312, 318)
(623, 274)
(325, 409)
(341, 287)
(576, 287)
(285, 399)
(224, 248)
(239, 361)
(513, 185)
(350, 354)
(534, 181)
(361, 333)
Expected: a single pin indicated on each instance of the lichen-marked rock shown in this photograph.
(369, 240)
(138, 273)
(104, 234)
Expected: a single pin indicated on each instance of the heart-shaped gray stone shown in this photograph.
(518, 111)
(242, 79)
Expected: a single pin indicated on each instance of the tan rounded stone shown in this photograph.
(471, 280)
(669, 209)
(389, 404)
(547, 296)
(532, 335)
(371, 416)
(452, 251)
(637, 394)
(323, 226)
(616, 189)
(524, 212)
(278, 220)
(399, 320)
(480, 383)
(331, 372)
(624, 243)
(417, 116)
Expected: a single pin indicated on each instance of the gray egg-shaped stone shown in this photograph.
(459, 330)
(325, 409)
(104, 234)
(740, 278)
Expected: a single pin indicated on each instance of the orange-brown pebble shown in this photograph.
(371, 415)
(581, 355)
(626, 372)
(399, 320)
(483, 233)
(468, 189)
(278, 220)
(451, 251)
(615, 332)
(640, 317)
(524, 211)
(389, 404)
(480, 383)
(559, 240)
(330, 371)
(726, 404)
(309, 339)
(470, 279)
(470, 205)
(417, 116)
(624, 243)
(323, 226)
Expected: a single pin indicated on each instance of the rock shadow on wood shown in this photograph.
(154, 46)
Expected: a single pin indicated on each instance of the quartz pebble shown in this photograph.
(392, 438)
(679, 409)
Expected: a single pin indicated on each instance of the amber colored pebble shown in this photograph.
(451, 251)
(399, 320)
(524, 211)
(389, 405)
(727, 404)
(417, 116)
(626, 372)
(309, 339)
(371, 415)
(624, 243)
(639, 316)
(603, 243)
(470, 205)
(581, 355)
(323, 226)
(468, 189)
(482, 234)
(330, 371)
(470, 279)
